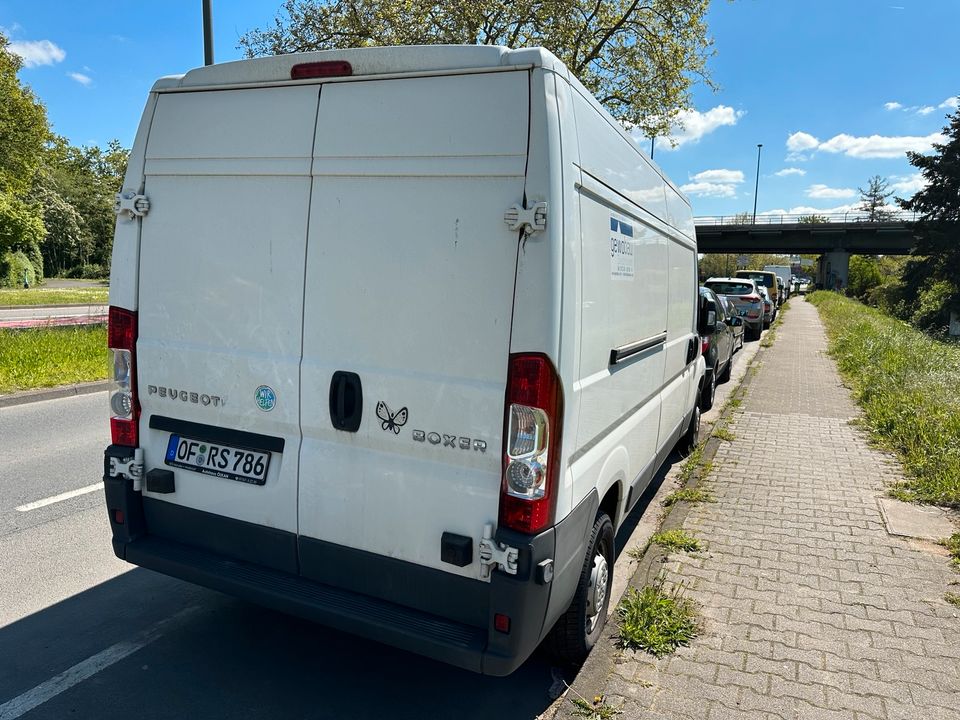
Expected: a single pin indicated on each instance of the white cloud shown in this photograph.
(879, 146)
(821, 191)
(84, 80)
(808, 210)
(892, 105)
(708, 189)
(800, 141)
(719, 176)
(926, 110)
(37, 52)
(950, 102)
(790, 171)
(907, 185)
(691, 125)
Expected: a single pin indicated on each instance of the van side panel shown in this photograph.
(409, 284)
(624, 260)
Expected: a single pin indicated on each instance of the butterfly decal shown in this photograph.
(391, 421)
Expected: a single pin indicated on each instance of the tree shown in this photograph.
(639, 57)
(931, 277)
(812, 219)
(873, 200)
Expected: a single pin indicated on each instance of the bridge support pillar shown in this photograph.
(833, 270)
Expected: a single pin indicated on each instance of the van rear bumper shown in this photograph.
(369, 595)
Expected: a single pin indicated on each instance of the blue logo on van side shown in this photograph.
(266, 398)
(621, 227)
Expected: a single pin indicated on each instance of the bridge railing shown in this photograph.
(894, 217)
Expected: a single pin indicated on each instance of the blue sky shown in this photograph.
(835, 90)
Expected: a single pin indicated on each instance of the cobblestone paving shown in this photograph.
(811, 609)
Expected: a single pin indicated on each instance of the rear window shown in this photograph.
(729, 288)
(763, 278)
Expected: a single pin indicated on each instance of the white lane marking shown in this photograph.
(59, 498)
(84, 669)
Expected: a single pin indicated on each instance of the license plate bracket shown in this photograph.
(230, 462)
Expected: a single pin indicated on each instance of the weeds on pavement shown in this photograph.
(723, 433)
(952, 544)
(690, 495)
(676, 540)
(952, 598)
(657, 621)
(597, 710)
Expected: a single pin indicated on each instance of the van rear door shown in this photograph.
(408, 301)
(220, 321)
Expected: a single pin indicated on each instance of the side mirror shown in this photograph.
(736, 321)
(711, 320)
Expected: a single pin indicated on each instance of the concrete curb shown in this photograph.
(62, 391)
(593, 676)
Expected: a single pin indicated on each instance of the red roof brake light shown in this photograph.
(326, 68)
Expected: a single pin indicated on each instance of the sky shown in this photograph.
(836, 91)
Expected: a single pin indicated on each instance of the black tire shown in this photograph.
(709, 392)
(579, 628)
(688, 441)
(725, 375)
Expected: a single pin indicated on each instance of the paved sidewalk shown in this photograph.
(811, 610)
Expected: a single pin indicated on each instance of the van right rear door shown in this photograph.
(408, 304)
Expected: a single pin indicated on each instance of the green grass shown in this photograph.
(909, 387)
(952, 544)
(657, 621)
(723, 433)
(952, 598)
(676, 540)
(42, 296)
(690, 495)
(597, 710)
(44, 357)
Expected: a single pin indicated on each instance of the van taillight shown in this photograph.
(531, 444)
(327, 68)
(124, 407)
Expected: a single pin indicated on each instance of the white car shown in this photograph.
(401, 335)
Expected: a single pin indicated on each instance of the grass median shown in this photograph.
(909, 387)
(46, 357)
(54, 296)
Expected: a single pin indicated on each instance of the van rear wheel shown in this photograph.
(579, 628)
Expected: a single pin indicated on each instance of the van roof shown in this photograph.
(367, 61)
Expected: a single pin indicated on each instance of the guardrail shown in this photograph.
(740, 219)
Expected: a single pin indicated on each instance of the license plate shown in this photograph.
(223, 461)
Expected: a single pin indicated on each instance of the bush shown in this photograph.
(89, 272)
(13, 266)
(909, 387)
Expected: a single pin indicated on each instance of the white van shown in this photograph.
(400, 337)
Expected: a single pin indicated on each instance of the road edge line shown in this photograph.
(61, 391)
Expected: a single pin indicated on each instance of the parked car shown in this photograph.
(717, 345)
(745, 294)
(767, 279)
(734, 320)
(781, 291)
(806, 286)
(425, 438)
(783, 272)
(769, 308)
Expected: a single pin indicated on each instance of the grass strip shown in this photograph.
(45, 357)
(690, 495)
(952, 544)
(908, 385)
(657, 621)
(43, 296)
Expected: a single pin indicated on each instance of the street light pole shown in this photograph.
(652, 138)
(757, 186)
(207, 33)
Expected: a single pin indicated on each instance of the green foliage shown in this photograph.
(639, 59)
(89, 272)
(690, 495)
(724, 433)
(873, 199)
(44, 357)
(812, 219)
(15, 266)
(43, 296)
(952, 544)
(909, 387)
(952, 598)
(676, 540)
(656, 620)
(864, 275)
(23, 126)
(597, 710)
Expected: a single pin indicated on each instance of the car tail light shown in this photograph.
(124, 406)
(750, 298)
(704, 346)
(531, 443)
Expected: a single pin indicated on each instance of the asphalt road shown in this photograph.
(84, 634)
(45, 315)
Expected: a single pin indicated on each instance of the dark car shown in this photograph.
(716, 333)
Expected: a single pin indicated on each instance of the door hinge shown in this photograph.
(131, 468)
(494, 555)
(131, 204)
(530, 220)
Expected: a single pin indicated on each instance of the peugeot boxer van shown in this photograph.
(400, 336)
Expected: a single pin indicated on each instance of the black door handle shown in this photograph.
(346, 401)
